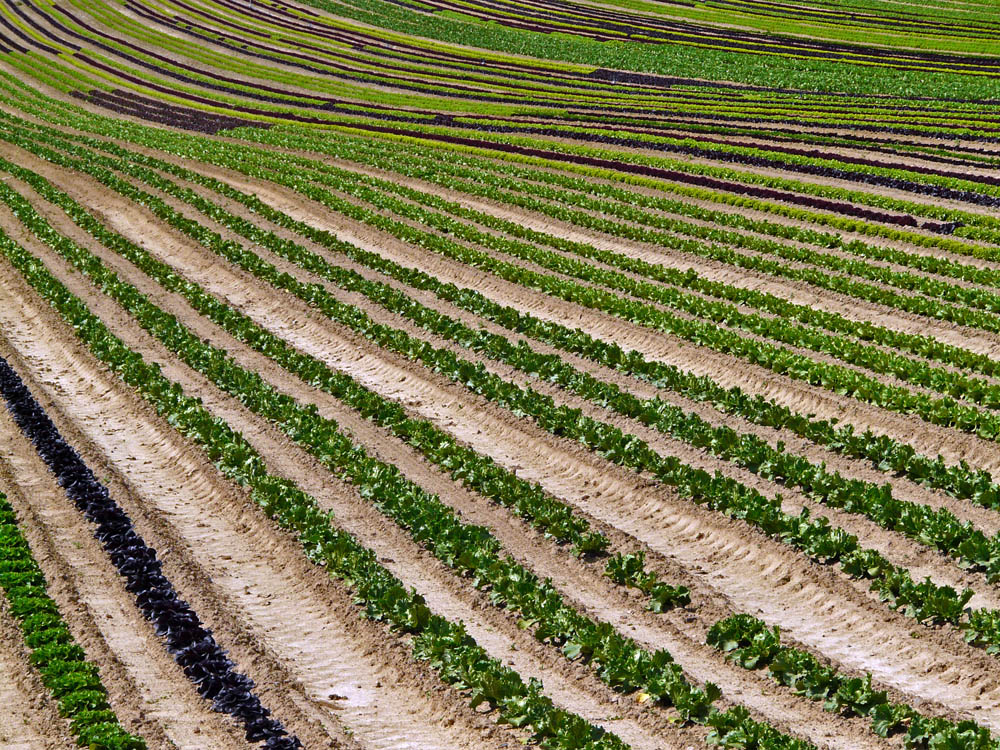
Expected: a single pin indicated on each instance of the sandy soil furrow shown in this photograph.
(798, 292)
(927, 690)
(94, 597)
(30, 718)
(309, 624)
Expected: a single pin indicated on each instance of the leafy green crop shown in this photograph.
(748, 641)
(62, 664)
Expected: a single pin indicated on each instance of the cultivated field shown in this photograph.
(433, 374)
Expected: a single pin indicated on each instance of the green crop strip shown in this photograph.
(749, 643)
(73, 682)
(467, 548)
(924, 601)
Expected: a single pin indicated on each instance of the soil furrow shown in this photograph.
(600, 476)
(308, 623)
(154, 686)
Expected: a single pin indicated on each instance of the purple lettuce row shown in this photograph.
(194, 648)
(122, 102)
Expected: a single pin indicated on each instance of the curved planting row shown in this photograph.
(191, 644)
(748, 641)
(73, 682)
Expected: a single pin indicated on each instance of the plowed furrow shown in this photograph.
(310, 625)
(806, 590)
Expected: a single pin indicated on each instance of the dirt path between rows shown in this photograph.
(382, 377)
(30, 717)
(308, 623)
(144, 679)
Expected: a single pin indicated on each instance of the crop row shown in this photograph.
(748, 641)
(73, 681)
(925, 601)
(192, 645)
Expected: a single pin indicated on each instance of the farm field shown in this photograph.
(432, 374)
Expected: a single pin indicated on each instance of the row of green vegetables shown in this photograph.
(748, 642)
(883, 452)
(943, 411)
(938, 528)
(472, 550)
(446, 645)
(72, 680)
(817, 538)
